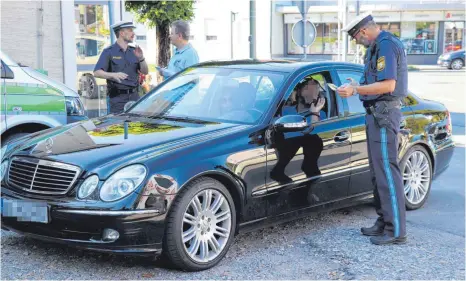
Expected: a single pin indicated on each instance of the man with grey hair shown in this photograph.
(185, 55)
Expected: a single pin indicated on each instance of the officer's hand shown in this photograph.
(138, 53)
(346, 90)
(118, 76)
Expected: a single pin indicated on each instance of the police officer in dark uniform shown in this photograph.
(382, 89)
(120, 65)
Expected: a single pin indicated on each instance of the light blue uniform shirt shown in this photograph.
(183, 58)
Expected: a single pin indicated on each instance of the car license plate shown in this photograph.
(25, 211)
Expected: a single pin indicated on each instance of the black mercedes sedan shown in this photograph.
(218, 149)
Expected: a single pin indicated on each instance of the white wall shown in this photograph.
(19, 40)
(277, 33)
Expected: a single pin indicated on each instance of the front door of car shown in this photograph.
(308, 168)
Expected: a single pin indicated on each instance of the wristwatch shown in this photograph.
(316, 114)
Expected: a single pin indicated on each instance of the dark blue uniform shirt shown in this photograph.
(114, 59)
(386, 59)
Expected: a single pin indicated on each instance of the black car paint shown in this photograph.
(234, 154)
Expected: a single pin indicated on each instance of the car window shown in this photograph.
(354, 104)
(211, 94)
(308, 90)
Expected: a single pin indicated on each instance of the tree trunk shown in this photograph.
(163, 46)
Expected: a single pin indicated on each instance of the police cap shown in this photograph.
(122, 24)
(353, 27)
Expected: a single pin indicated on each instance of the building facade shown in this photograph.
(65, 38)
(426, 28)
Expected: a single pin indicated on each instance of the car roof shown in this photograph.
(287, 66)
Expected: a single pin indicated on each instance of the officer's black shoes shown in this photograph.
(388, 240)
(280, 178)
(375, 230)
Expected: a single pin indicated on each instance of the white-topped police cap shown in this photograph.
(357, 23)
(122, 24)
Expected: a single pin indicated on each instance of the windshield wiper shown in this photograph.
(179, 118)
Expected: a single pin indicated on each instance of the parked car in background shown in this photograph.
(452, 60)
(196, 161)
(450, 47)
(32, 101)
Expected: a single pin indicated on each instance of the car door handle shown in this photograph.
(342, 136)
(402, 124)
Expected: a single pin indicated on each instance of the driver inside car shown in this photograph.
(237, 103)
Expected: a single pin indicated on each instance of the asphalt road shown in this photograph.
(324, 246)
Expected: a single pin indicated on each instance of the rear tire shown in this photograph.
(195, 226)
(416, 171)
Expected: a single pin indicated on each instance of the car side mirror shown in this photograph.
(291, 123)
(7, 73)
(129, 105)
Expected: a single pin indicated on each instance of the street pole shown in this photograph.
(252, 29)
(110, 15)
(303, 3)
(345, 35)
(358, 58)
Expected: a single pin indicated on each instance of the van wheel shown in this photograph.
(89, 87)
(200, 226)
(12, 137)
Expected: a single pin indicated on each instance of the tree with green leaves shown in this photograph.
(160, 14)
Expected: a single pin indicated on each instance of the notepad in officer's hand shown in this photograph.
(332, 86)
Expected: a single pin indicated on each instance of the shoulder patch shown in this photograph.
(381, 63)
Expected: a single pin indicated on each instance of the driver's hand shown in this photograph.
(317, 107)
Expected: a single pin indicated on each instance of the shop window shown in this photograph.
(419, 37)
(454, 36)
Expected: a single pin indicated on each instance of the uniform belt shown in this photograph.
(370, 105)
(115, 92)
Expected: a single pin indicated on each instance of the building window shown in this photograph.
(392, 27)
(454, 36)
(141, 37)
(419, 37)
(211, 29)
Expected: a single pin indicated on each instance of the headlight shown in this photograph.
(74, 107)
(3, 169)
(445, 57)
(88, 186)
(123, 182)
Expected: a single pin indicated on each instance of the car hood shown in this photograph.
(454, 53)
(99, 141)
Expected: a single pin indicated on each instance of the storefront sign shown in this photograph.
(422, 16)
(455, 15)
(387, 16)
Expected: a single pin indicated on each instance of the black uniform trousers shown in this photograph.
(382, 146)
(117, 99)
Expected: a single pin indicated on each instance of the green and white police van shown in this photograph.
(32, 101)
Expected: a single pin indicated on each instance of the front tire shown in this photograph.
(457, 64)
(200, 226)
(416, 170)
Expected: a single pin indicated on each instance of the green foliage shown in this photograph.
(161, 13)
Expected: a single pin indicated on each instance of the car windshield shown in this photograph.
(213, 94)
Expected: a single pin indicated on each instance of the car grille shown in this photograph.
(42, 176)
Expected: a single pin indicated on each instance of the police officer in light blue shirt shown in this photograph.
(185, 55)
(382, 89)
